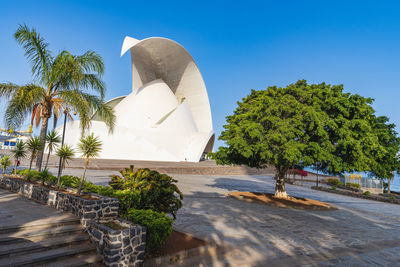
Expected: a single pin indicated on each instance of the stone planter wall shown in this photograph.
(119, 247)
(104, 208)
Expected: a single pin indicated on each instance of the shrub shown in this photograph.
(157, 191)
(340, 183)
(46, 176)
(333, 188)
(159, 226)
(29, 175)
(127, 199)
(353, 185)
(69, 181)
(392, 197)
(367, 193)
(333, 181)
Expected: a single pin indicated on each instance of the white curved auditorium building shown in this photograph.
(167, 115)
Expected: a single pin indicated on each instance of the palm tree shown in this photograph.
(66, 153)
(19, 153)
(5, 162)
(62, 82)
(90, 147)
(34, 145)
(52, 140)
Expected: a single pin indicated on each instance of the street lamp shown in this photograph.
(66, 111)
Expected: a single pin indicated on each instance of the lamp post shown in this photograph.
(66, 111)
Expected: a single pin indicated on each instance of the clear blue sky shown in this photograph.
(238, 45)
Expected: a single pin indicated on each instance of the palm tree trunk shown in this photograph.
(47, 161)
(30, 164)
(59, 174)
(83, 177)
(15, 166)
(43, 132)
(389, 180)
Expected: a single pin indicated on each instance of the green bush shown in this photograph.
(127, 199)
(157, 191)
(367, 193)
(159, 226)
(340, 183)
(30, 176)
(333, 187)
(333, 181)
(46, 176)
(353, 185)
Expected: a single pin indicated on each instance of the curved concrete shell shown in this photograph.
(167, 115)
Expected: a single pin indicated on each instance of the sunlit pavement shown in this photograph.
(361, 232)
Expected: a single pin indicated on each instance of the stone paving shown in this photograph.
(360, 233)
(19, 211)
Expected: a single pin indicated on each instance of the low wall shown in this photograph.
(124, 247)
(359, 195)
(118, 247)
(100, 209)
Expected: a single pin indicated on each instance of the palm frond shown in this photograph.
(22, 102)
(19, 151)
(91, 62)
(7, 90)
(85, 105)
(35, 50)
(89, 146)
(107, 115)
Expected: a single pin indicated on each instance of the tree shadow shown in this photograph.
(258, 234)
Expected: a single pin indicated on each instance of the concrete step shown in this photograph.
(52, 255)
(44, 224)
(37, 235)
(20, 248)
(89, 259)
(38, 225)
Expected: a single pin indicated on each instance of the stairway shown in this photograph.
(52, 244)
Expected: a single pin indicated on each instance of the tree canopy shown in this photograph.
(304, 124)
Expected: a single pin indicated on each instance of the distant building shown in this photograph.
(166, 117)
(9, 142)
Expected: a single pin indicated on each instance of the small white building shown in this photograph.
(9, 144)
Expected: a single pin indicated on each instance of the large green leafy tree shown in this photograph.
(301, 124)
(61, 82)
(387, 165)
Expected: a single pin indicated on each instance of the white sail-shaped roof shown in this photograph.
(167, 115)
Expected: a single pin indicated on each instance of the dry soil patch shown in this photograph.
(291, 202)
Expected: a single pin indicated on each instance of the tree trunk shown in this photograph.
(389, 180)
(83, 177)
(59, 174)
(47, 161)
(317, 178)
(43, 133)
(280, 191)
(15, 167)
(30, 164)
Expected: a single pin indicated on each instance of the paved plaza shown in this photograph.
(359, 233)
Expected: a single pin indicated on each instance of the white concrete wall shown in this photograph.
(167, 115)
